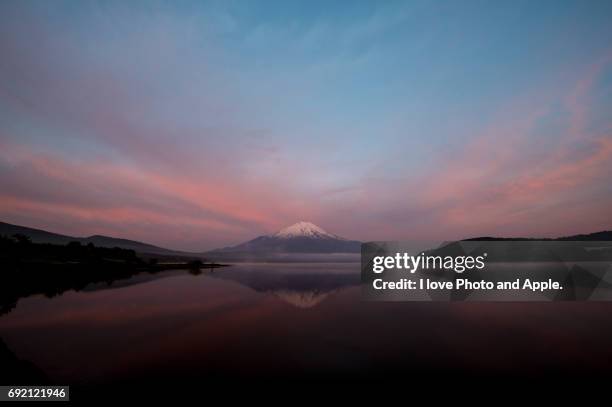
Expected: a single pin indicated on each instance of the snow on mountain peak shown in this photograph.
(305, 229)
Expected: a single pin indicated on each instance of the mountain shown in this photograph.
(603, 236)
(302, 237)
(42, 236)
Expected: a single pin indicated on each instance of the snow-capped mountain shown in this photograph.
(305, 229)
(301, 237)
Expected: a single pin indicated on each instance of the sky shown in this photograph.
(195, 125)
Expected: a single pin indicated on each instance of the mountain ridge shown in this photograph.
(285, 242)
(43, 236)
(604, 235)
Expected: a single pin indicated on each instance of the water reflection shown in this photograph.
(243, 322)
(299, 284)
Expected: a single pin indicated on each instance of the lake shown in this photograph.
(252, 322)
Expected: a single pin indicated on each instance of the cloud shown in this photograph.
(509, 179)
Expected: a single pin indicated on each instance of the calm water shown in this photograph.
(253, 321)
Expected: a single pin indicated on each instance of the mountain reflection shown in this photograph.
(301, 285)
(301, 299)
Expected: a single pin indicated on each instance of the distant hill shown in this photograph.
(42, 236)
(603, 236)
